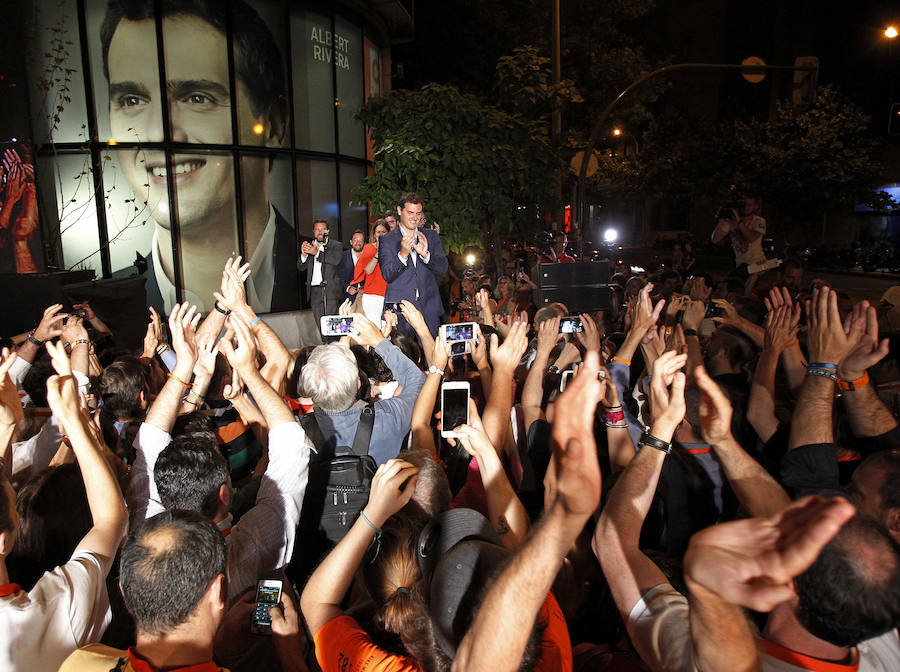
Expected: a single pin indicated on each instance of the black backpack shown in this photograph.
(338, 486)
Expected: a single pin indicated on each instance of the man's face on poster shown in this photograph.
(199, 112)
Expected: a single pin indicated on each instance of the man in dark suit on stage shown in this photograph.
(411, 258)
(320, 259)
(347, 269)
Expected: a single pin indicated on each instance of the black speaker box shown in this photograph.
(580, 286)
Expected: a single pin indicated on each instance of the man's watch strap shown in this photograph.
(647, 439)
(31, 339)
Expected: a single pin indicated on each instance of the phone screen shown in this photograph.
(266, 596)
(392, 305)
(459, 348)
(571, 325)
(336, 325)
(464, 331)
(455, 407)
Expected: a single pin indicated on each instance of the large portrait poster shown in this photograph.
(21, 249)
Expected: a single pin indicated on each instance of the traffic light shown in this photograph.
(805, 81)
(894, 120)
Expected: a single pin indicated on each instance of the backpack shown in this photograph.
(338, 486)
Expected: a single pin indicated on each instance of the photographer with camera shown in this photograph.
(553, 248)
(743, 225)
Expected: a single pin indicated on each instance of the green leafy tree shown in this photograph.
(473, 163)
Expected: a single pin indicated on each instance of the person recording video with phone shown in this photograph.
(321, 258)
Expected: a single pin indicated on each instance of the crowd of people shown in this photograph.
(704, 475)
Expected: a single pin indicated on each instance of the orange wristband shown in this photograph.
(619, 359)
(850, 385)
(794, 344)
(178, 380)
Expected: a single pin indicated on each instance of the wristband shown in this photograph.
(255, 320)
(616, 426)
(224, 311)
(823, 373)
(177, 379)
(31, 339)
(615, 416)
(793, 345)
(377, 539)
(619, 359)
(690, 332)
(822, 365)
(850, 385)
(161, 348)
(78, 341)
(647, 439)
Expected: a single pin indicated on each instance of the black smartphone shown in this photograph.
(393, 305)
(571, 325)
(454, 406)
(268, 594)
(713, 310)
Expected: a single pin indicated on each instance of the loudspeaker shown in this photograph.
(580, 286)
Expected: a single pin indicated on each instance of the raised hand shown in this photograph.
(366, 331)
(390, 321)
(309, 249)
(508, 355)
(781, 330)
(242, 357)
(10, 407)
(50, 325)
(413, 315)
(828, 338)
(590, 337)
(421, 245)
(472, 436)
(205, 365)
(643, 314)
(73, 330)
(715, 409)
(183, 322)
(154, 335)
(694, 314)
(392, 487)
(752, 562)
(867, 351)
(573, 476)
(548, 335)
(731, 317)
(233, 295)
(667, 391)
(479, 351)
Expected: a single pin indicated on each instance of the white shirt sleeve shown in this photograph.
(263, 540)
(143, 497)
(402, 260)
(18, 369)
(37, 451)
(660, 630)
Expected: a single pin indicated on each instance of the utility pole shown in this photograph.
(556, 113)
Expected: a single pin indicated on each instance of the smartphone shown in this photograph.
(336, 325)
(712, 310)
(459, 348)
(565, 379)
(454, 406)
(268, 594)
(460, 331)
(396, 306)
(571, 325)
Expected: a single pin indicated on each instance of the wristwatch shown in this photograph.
(434, 369)
(31, 339)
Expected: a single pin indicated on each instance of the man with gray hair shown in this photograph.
(331, 379)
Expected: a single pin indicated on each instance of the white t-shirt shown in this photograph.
(67, 608)
(660, 630)
(748, 252)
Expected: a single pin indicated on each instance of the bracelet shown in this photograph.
(615, 416)
(822, 365)
(647, 439)
(553, 368)
(377, 539)
(79, 341)
(793, 345)
(611, 425)
(689, 332)
(824, 373)
(31, 339)
(177, 379)
(224, 311)
(192, 403)
(161, 348)
(255, 320)
(850, 385)
(620, 359)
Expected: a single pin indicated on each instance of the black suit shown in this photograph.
(324, 298)
(286, 286)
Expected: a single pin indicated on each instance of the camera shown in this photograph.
(727, 212)
(460, 304)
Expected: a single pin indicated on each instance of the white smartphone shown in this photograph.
(268, 594)
(460, 331)
(454, 406)
(336, 325)
(565, 379)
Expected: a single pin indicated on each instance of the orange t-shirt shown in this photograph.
(343, 646)
(375, 283)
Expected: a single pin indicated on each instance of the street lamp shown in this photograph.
(617, 132)
(890, 32)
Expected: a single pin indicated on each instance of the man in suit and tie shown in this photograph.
(320, 259)
(411, 259)
(347, 268)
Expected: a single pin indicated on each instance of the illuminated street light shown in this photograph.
(610, 235)
(890, 32)
(617, 132)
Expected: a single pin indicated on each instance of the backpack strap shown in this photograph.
(311, 426)
(363, 435)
